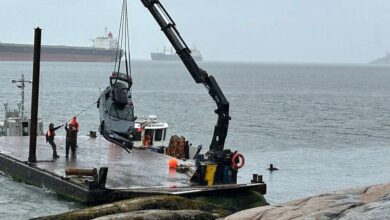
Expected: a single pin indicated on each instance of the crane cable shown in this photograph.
(123, 42)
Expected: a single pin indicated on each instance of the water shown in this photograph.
(326, 127)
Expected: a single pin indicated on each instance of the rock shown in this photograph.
(235, 202)
(137, 204)
(371, 202)
(161, 215)
(197, 208)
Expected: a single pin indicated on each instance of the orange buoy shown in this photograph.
(172, 163)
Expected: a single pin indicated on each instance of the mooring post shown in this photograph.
(34, 96)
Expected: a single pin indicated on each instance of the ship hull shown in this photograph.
(24, 52)
(170, 57)
(383, 60)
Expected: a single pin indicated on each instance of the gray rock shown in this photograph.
(371, 202)
(160, 215)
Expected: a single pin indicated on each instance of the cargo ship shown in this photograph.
(170, 55)
(382, 60)
(103, 49)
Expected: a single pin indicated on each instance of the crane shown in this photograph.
(224, 158)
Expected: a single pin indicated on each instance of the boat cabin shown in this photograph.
(16, 125)
(150, 133)
(15, 121)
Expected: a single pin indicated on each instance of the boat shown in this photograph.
(103, 49)
(170, 55)
(382, 60)
(151, 133)
(15, 121)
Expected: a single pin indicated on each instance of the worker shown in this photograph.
(74, 123)
(71, 135)
(76, 126)
(147, 140)
(50, 138)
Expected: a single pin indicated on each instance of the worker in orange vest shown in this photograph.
(50, 138)
(74, 123)
(71, 134)
(75, 126)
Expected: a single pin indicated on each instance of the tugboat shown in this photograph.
(15, 121)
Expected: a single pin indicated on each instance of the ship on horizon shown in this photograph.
(170, 55)
(103, 49)
(382, 60)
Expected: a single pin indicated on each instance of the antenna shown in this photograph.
(21, 83)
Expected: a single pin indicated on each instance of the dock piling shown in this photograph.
(35, 96)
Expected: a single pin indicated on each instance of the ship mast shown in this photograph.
(21, 84)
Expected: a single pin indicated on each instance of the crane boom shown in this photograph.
(168, 26)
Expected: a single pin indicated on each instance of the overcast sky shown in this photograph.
(342, 31)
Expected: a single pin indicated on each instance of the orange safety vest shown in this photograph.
(50, 133)
(147, 140)
(74, 123)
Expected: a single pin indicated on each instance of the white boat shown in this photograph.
(15, 121)
(151, 133)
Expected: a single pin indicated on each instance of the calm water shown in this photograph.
(326, 127)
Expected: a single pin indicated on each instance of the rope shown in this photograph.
(82, 111)
(85, 109)
(123, 42)
(100, 139)
(119, 40)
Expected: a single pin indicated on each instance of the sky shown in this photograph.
(319, 31)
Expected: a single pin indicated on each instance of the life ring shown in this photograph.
(234, 159)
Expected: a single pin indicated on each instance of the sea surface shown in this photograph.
(325, 126)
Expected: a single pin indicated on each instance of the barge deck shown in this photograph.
(140, 173)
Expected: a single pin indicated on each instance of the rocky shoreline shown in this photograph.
(168, 207)
(372, 202)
